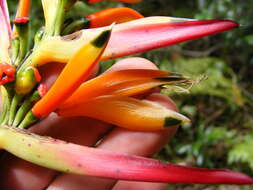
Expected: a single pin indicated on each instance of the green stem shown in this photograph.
(15, 49)
(6, 106)
(22, 50)
(59, 18)
(13, 109)
(26, 106)
(27, 62)
(23, 35)
(75, 26)
(28, 120)
(38, 37)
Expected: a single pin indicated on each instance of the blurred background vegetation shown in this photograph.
(221, 107)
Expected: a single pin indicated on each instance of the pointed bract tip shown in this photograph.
(173, 78)
(169, 121)
(102, 38)
(175, 119)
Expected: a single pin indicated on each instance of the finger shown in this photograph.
(81, 131)
(19, 174)
(125, 141)
(154, 141)
(132, 142)
(50, 72)
(132, 63)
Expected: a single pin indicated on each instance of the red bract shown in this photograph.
(72, 158)
(21, 20)
(144, 35)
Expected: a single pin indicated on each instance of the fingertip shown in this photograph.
(163, 100)
(132, 63)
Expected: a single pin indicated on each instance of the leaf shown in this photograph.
(242, 152)
(220, 80)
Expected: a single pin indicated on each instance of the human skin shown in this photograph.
(21, 175)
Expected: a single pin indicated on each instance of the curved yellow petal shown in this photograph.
(126, 112)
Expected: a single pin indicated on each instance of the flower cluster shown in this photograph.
(112, 97)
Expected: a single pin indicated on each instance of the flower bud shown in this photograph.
(27, 80)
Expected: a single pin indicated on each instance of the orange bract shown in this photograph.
(109, 16)
(23, 8)
(109, 83)
(126, 112)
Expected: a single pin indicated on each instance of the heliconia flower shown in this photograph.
(127, 112)
(112, 15)
(23, 8)
(131, 37)
(5, 12)
(134, 37)
(128, 82)
(91, 96)
(5, 33)
(50, 8)
(103, 18)
(75, 94)
(90, 54)
(72, 158)
(122, 1)
(117, 83)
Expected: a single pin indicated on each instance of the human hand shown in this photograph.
(19, 174)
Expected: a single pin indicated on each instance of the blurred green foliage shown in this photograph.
(221, 107)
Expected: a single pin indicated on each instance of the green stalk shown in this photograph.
(22, 29)
(55, 12)
(75, 26)
(26, 106)
(28, 120)
(22, 50)
(13, 108)
(6, 106)
(15, 49)
(38, 36)
(59, 18)
(50, 9)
